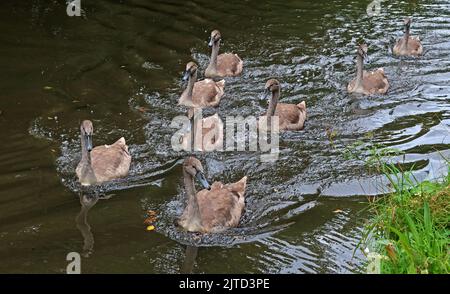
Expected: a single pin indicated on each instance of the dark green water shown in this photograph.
(123, 55)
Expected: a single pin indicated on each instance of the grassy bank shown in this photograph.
(409, 231)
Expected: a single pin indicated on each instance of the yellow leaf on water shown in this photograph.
(338, 211)
(150, 228)
(48, 88)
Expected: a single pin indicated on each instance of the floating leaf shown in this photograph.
(150, 228)
(148, 221)
(338, 211)
(151, 212)
(48, 88)
(143, 109)
(151, 217)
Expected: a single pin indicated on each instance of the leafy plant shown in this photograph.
(410, 225)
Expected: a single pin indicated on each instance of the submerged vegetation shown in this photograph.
(409, 230)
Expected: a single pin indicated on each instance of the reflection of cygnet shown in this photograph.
(189, 260)
(87, 202)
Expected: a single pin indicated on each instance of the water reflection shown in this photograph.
(189, 260)
(87, 201)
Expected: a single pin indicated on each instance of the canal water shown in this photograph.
(120, 64)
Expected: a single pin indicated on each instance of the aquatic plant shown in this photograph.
(410, 225)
